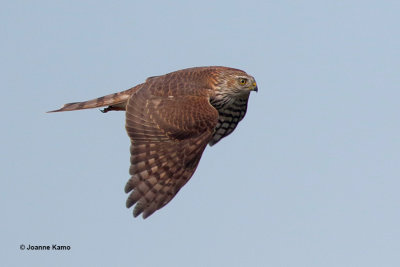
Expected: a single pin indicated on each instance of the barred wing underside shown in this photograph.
(168, 136)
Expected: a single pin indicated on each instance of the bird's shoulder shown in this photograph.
(199, 81)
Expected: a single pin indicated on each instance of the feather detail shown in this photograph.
(116, 101)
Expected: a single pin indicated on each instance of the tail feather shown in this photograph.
(117, 99)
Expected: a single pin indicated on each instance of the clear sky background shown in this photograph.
(310, 177)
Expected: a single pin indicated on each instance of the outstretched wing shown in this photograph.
(168, 136)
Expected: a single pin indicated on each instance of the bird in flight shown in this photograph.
(170, 119)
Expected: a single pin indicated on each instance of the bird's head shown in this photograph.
(237, 83)
(244, 83)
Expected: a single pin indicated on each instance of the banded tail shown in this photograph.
(116, 101)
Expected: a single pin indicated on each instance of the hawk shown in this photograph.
(170, 119)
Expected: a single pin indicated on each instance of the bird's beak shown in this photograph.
(254, 88)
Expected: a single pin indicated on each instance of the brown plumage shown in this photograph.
(170, 119)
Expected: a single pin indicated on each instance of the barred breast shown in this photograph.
(229, 117)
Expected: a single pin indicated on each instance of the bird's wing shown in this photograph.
(168, 136)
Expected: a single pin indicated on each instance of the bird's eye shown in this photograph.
(242, 81)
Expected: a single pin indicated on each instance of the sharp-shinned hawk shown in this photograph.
(170, 119)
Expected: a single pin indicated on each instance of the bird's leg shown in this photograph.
(111, 108)
(105, 110)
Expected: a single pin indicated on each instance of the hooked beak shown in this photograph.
(255, 88)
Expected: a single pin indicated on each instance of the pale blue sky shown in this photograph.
(309, 178)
